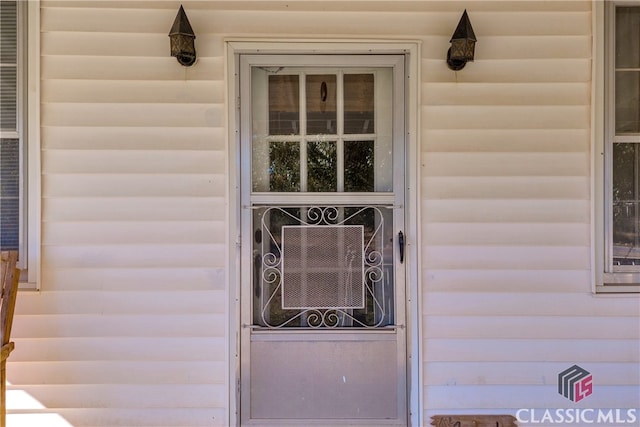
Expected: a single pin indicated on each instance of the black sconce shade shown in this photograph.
(182, 39)
(463, 44)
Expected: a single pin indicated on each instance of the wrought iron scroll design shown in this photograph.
(376, 269)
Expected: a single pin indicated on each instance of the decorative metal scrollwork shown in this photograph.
(323, 267)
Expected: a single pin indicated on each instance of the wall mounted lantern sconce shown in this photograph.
(182, 39)
(463, 44)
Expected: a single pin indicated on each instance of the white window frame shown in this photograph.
(606, 279)
(28, 132)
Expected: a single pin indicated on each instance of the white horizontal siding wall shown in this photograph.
(506, 225)
(131, 326)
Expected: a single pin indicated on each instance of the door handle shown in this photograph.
(401, 245)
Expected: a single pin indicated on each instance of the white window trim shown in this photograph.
(29, 131)
(34, 160)
(604, 281)
(233, 48)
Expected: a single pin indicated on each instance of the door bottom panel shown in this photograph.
(324, 380)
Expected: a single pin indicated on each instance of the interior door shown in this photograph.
(322, 201)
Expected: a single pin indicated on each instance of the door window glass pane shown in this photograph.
(267, 239)
(322, 166)
(321, 104)
(626, 200)
(359, 104)
(359, 166)
(284, 105)
(332, 103)
(284, 166)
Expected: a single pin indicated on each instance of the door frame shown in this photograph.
(411, 51)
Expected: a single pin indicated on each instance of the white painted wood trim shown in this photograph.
(34, 215)
(597, 135)
(414, 228)
(235, 46)
(233, 232)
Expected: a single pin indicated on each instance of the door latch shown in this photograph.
(401, 245)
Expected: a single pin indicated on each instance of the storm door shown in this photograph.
(322, 202)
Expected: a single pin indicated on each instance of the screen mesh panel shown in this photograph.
(323, 266)
(9, 194)
(8, 65)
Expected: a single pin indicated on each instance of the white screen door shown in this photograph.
(323, 282)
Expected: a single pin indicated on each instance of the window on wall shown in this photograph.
(12, 127)
(622, 149)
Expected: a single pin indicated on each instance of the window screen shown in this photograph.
(9, 132)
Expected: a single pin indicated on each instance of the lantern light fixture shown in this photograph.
(182, 39)
(463, 44)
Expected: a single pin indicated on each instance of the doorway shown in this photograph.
(323, 278)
